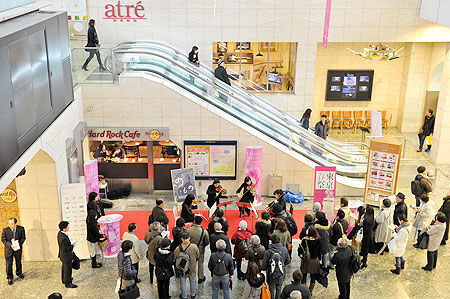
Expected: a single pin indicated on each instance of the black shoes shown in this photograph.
(94, 263)
(138, 280)
(200, 281)
(71, 286)
(84, 67)
(10, 281)
(363, 266)
(21, 276)
(426, 269)
(102, 68)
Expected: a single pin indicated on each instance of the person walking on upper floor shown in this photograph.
(193, 56)
(323, 226)
(262, 229)
(94, 205)
(338, 230)
(436, 232)
(426, 130)
(322, 128)
(92, 42)
(397, 245)
(256, 251)
(13, 238)
(421, 184)
(65, 254)
(241, 242)
(126, 270)
(310, 254)
(296, 285)
(343, 273)
(218, 217)
(177, 232)
(304, 121)
(186, 256)
(368, 239)
(157, 212)
(274, 263)
(200, 237)
(445, 208)
(424, 215)
(153, 238)
(221, 73)
(255, 280)
(219, 235)
(163, 268)
(93, 237)
(385, 224)
(222, 268)
(136, 252)
(400, 208)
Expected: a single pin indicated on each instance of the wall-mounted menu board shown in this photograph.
(211, 159)
(349, 85)
(382, 170)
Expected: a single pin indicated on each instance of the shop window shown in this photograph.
(263, 66)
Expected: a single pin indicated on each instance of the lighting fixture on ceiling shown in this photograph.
(379, 52)
(259, 54)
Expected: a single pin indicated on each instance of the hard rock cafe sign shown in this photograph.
(118, 11)
(9, 195)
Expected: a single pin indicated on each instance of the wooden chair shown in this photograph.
(347, 120)
(327, 113)
(358, 118)
(384, 120)
(368, 119)
(336, 119)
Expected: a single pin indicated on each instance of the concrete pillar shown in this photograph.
(441, 141)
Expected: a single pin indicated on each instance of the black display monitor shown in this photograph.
(349, 85)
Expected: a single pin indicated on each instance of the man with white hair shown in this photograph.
(296, 295)
(241, 241)
(343, 273)
(219, 235)
(222, 267)
(256, 251)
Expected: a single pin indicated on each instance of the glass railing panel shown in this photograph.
(93, 72)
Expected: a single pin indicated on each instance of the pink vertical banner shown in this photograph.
(110, 226)
(253, 167)
(91, 177)
(326, 27)
(324, 183)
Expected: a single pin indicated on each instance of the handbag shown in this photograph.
(103, 241)
(265, 293)
(244, 266)
(130, 292)
(75, 261)
(359, 235)
(424, 239)
(288, 246)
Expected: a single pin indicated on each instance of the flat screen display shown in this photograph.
(349, 85)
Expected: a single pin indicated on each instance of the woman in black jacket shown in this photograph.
(248, 189)
(323, 226)
(367, 243)
(177, 231)
(93, 236)
(310, 263)
(94, 205)
(186, 209)
(262, 227)
(93, 43)
(164, 268)
(193, 56)
(304, 121)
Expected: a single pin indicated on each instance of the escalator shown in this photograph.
(164, 64)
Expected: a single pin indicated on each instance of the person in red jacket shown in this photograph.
(241, 241)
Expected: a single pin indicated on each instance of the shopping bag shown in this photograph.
(428, 140)
(265, 293)
(244, 266)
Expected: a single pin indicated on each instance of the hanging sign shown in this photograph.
(9, 195)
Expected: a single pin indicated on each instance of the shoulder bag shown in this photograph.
(130, 292)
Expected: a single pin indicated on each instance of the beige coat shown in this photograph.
(436, 232)
(136, 252)
(153, 239)
(385, 226)
(195, 233)
(193, 253)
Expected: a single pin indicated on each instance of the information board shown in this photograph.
(211, 159)
(349, 85)
(183, 183)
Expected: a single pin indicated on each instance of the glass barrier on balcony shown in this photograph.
(93, 73)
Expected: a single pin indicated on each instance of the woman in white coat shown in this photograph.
(397, 245)
(424, 213)
(385, 223)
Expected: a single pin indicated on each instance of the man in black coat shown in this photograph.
(65, 254)
(17, 233)
(296, 285)
(219, 235)
(157, 212)
(221, 73)
(400, 208)
(342, 261)
(427, 130)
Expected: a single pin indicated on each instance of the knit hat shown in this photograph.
(165, 243)
(219, 62)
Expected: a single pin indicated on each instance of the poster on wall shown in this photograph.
(74, 210)
(211, 159)
(183, 183)
(324, 183)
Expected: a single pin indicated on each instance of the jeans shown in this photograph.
(221, 282)
(192, 283)
(275, 290)
(398, 261)
(163, 288)
(344, 290)
(431, 259)
(91, 55)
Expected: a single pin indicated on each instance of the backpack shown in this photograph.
(291, 225)
(220, 269)
(355, 262)
(243, 246)
(416, 186)
(182, 262)
(276, 266)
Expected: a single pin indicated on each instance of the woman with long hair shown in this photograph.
(282, 232)
(262, 227)
(367, 243)
(93, 236)
(255, 280)
(186, 209)
(248, 190)
(193, 56)
(93, 43)
(310, 262)
(177, 232)
(304, 121)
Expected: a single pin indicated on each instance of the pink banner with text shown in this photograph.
(324, 183)
(91, 177)
(326, 27)
(253, 168)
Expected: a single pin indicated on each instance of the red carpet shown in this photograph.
(141, 220)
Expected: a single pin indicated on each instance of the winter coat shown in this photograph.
(385, 220)
(186, 213)
(304, 123)
(191, 250)
(92, 37)
(305, 229)
(237, 238)
(125, 267)
(337, 231)
(156, 213)
(425, 182)
(428, 125)
(262, 228)
(321, 129)
(426, 211)
(445, 208)
(163, 264)
(227, 259)
(195, 233)
(284, 237)
(397, 245)
(400, 209)
(153, 239)
(136, 252)
(193, 57)
(285, 258)
(176, 232)
(221, 73)
(222, 221)
(295, 286)
(255, 254)
(310, 264)
(93, 232)
(324, 236)
(436, 232)
(368, 236)
(216, 237)
(342, 260)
